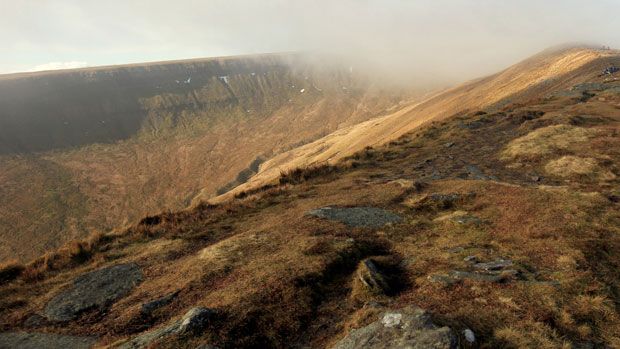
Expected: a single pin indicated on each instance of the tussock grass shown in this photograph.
(72, 254)
(301, 175)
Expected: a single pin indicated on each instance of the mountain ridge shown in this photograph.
(491, 227)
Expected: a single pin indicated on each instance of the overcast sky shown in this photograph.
(467, 36)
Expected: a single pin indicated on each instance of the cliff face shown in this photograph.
(40, 112)
(133, 140)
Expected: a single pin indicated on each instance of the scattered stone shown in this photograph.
(467, 219)
(495, 265)
(436, 175)
(589, 86)
(460, 217)
(445, 280)
(369, 217)
(536, 178)
(449, 144)
(456, 276)
(498, 276)
(25, 340)
(372, 279)
(420, 165)
(193, 321)
(471, 259)
(95, 290)
(475, 173)
(150, 307)
(409, 328)
(458, 249)
(469, 335)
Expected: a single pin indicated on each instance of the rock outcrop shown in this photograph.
(94, 290)
(409, 328)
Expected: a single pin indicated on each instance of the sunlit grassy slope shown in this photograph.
(537, 75)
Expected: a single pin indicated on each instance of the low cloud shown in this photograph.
(59, 65)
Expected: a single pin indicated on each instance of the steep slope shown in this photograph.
(536, 76)
(503, 224)
(96, 149)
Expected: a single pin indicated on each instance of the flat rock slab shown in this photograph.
(95, 290)
(409, 328)
(368, 217)
(25, 340)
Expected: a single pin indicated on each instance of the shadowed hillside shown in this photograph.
(491, 227)
(95, 149)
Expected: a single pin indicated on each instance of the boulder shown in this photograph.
(409, 328)
(192, 322)
(372, 279)
(25, 340)
(95, 290)
(499, 264)
(367, 217)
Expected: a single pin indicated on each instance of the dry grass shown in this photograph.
(301, 175)
(548, 140)
(570, 166)
(72, 254)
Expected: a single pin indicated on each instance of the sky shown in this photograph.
(463, 38)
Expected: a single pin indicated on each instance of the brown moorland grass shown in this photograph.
(277, 277)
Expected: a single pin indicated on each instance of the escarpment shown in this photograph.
(99, 148)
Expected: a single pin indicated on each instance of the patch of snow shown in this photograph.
(224, 78)
(253, 74)
(302, 90)
(188, 80)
